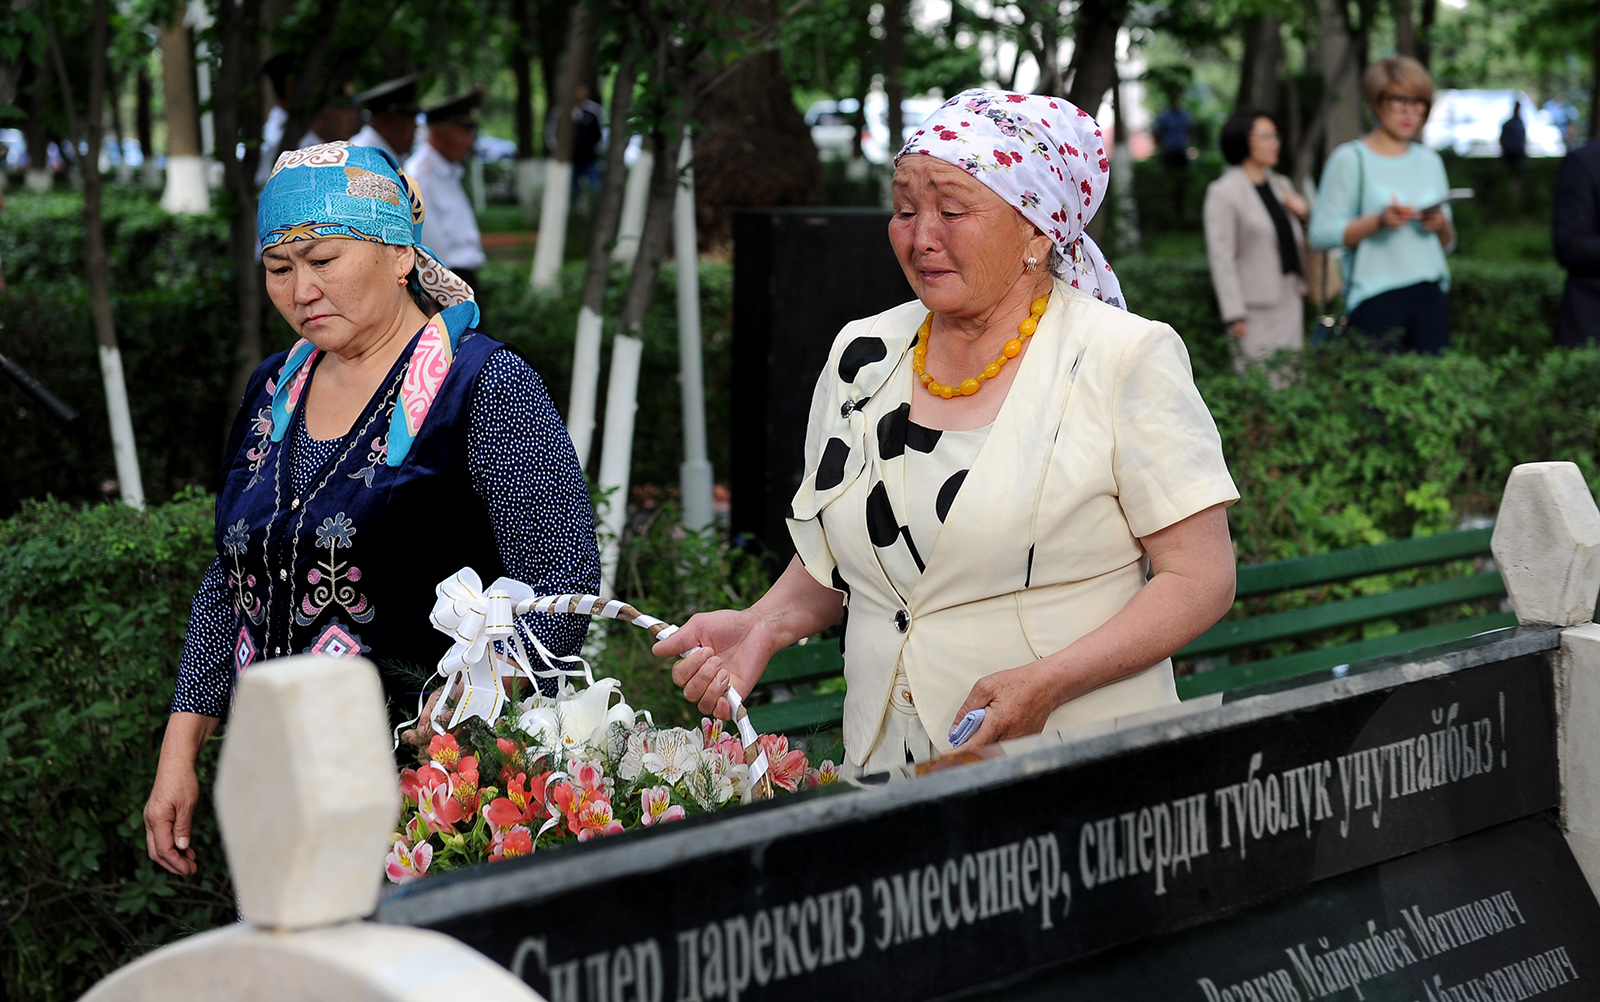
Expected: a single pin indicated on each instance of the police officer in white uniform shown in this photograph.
(450, 228)
(391, 113)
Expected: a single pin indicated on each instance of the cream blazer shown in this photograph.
(1102, 439)
(1242, 244)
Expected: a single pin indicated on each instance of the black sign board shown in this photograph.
(799, 275)
(1504, 914)
(987, 872)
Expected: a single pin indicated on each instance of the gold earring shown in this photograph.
(402, 280)
(1033, 263)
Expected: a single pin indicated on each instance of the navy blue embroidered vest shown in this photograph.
(349, 566)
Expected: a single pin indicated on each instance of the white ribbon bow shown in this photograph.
(487, 645)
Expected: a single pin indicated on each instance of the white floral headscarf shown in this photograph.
(1043, 155)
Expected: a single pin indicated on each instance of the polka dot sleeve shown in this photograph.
(522, 465)
(203, 683)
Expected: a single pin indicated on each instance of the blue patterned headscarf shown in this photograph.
(339, 191)
(343, 192)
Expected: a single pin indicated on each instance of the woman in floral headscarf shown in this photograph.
(991, 467)
(392, 445)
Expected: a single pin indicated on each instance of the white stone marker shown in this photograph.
(307, 798)
(1547, 544)
(1578, 744)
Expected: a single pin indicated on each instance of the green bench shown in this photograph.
(782, 705)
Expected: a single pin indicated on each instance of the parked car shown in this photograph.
(1469, 121)
(875, 138)
(833, 128)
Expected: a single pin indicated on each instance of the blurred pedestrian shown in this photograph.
(391, 112)
(1514, 151)
(1383, 198)
(450, 228)
(1253, 240)
(588, 139)
(1575, 234)
(1173, 129)
(1564, 117)
(337, 120)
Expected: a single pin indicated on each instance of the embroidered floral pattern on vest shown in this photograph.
(332, 580)
(236, 544)
(261, 427)
(376, 457)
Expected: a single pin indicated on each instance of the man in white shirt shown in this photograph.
(450, 229)
(338, 119)
(391, 112)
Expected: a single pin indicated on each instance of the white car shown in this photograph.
(913, 112)
(1469, 121)
(833, 131)
(831, 128)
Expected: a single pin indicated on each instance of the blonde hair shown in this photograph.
(1400, 75)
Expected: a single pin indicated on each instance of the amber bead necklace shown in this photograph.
(967, 387)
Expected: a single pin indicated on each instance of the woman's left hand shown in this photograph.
(1297, 205)
(1435, 221)
(1017, 702)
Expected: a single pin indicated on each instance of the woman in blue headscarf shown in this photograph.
(391, 446)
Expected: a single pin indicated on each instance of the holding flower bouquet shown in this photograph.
(547, 770)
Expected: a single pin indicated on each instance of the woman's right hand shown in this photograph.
(731, 646)
(168, 815)
(1239, 328)
(1395, 215)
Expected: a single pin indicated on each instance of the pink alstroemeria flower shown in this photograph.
(787, 768)
(513, 842)
(822, 775)
(405, 865)
(658, 806)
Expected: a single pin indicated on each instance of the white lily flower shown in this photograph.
(573, 721)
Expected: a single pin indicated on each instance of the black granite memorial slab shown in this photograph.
(1503, 914)
(986, 872)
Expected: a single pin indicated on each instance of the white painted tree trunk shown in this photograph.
(634, 201)
(530, 180)
(616, 452)
(695, 473)
(479, 198)
(186, 192)
(585, 383)
(122, 446)
(552, 244)
(36, 179)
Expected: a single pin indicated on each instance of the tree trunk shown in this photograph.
(1594, 85)
(622, 390)
(1340, 53)
(747, 115)
(96, 267)
(238, 116)
(143, 95)
(1405, 28)
(1263, 55)
(1094, 52)
(607, 214)
(530, 149)
(186, 173)
(551, 248)
(1430, 9)
(894, 58)
(1335, 92)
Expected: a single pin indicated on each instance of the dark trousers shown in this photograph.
(1419, 312)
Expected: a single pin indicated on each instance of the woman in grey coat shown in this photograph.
(1253, 241)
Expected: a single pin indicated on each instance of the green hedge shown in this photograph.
(93, 605)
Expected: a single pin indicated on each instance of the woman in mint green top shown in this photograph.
(1380, 200)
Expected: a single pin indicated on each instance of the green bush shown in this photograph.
(93, 605)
